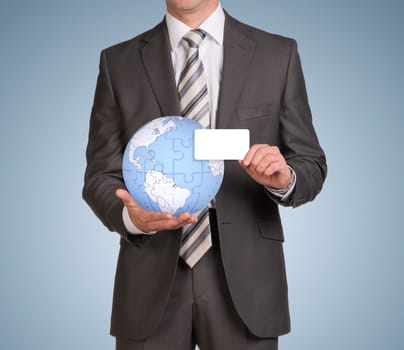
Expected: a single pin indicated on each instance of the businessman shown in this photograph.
(215, 278)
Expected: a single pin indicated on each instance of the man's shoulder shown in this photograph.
(262, 38)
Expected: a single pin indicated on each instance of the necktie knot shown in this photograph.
(194, 37)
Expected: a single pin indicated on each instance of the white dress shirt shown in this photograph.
(211, 55)
(210, 52)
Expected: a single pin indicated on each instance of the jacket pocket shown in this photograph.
(137, 241)
(271, 230)
(256, 112)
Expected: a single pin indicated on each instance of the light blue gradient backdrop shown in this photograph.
(344, 251)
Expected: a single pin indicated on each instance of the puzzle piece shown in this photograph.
(184, 163)
(165, 153)
(194, 199)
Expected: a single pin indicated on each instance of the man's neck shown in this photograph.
(196, 16)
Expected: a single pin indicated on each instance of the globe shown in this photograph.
(160, 171)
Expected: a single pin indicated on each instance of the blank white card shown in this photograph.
(226, 144)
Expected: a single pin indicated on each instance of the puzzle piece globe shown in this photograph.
(160, 171)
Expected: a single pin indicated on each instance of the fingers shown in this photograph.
(173, 223)
(153, 221)
(252, 152)
(266, 165)
(148, 221)
(136, 209)
(271, 169)
(149, 216)
(125, 197)
(263, 160)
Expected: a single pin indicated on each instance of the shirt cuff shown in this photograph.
(130, 226)
(284, 193)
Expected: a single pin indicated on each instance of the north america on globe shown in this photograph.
(160, 171)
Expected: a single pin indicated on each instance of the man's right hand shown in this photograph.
(148, 221)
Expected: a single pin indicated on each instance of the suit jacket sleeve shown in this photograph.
(105, 147)
(298, 140)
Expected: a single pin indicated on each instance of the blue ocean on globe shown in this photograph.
(160, 171)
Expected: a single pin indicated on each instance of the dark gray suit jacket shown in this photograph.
(263, 90)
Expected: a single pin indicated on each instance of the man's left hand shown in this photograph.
(267, 166)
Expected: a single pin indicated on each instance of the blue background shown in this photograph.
(344, 251)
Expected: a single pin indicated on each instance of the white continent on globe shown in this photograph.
(146, 136)
(165, 192)
(216, 167)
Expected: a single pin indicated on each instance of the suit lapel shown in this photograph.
(157, 62)
(237, 55)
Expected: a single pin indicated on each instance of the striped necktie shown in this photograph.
(194, 102)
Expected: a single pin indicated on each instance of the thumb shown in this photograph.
(125, 197)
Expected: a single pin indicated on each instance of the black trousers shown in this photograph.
(200, 312)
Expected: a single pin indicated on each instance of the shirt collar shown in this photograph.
(213, 26)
